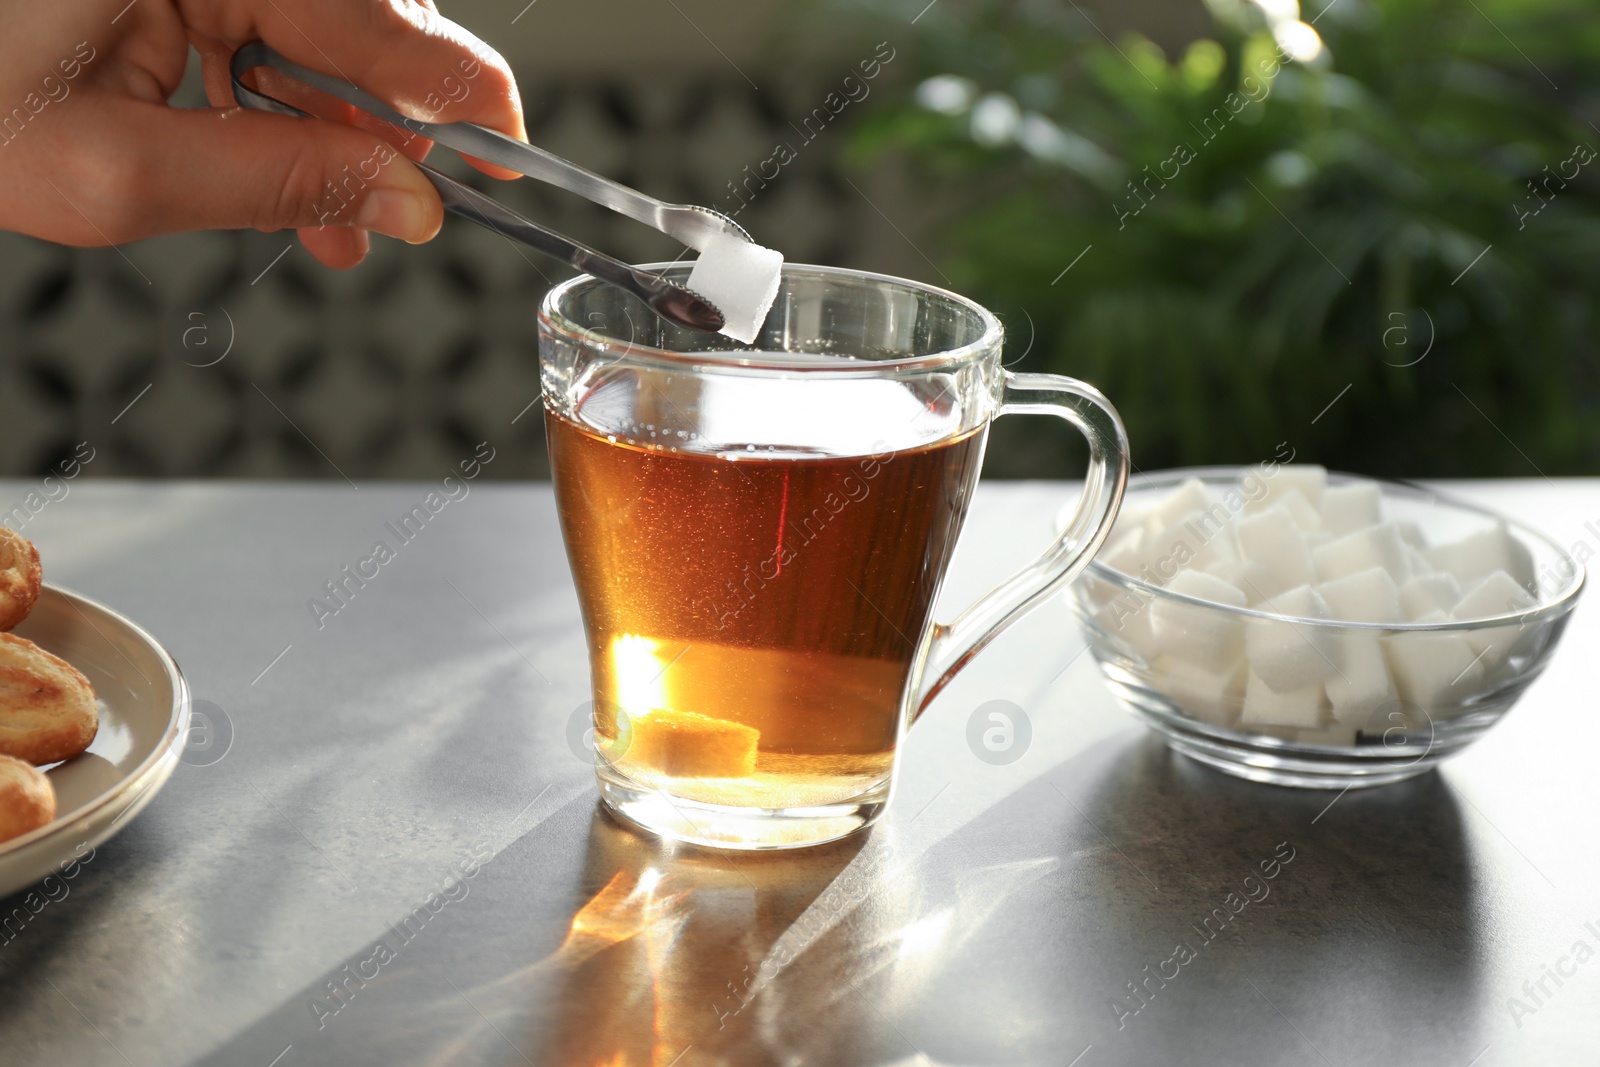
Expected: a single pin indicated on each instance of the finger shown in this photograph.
(214, 73)
(154, 169)
(339, 247)
(215, 60)
(424, 65)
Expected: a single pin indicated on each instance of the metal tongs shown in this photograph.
(694, 226)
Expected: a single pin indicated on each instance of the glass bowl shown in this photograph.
(1175, 661)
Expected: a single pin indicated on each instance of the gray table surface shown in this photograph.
(993, 917)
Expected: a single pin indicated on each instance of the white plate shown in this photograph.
(144, 717)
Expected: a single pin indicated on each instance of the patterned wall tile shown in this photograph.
(235, 354)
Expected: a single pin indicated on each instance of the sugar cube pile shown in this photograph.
(1284, 540)
(741, 279)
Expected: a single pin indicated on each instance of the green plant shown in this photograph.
(1248, 260)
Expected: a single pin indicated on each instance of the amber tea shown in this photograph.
(752, 620)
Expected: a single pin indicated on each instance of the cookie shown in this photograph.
(20, 577)
(47, 709)
(27, 801)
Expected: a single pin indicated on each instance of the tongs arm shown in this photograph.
(693, 226)
(672, 302)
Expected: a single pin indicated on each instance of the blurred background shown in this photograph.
(1368, 229)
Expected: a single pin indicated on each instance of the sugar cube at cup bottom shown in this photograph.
(741, 279)
(688, 744)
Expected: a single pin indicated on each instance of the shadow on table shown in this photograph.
(1039, 929)
(1193, 917)
(1022, 937)
(671, 960)
(606, 949)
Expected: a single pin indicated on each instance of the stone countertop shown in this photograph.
(400, 858)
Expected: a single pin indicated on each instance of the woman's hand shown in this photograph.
(91, 154)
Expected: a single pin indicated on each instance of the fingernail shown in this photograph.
(396, 213)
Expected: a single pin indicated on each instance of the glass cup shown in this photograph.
(758, 536)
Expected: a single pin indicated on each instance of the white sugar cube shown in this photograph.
(1348, 508)
(1243, 576)
(1426, 593)
(1126, 620)
(1096, 591)
(1194, 633)
(1125, 553)
(1375, 546)
(1212, 695)
(1272, 539)
(1497, 594)
(1411, 533)
(1131, 519)
(741, 278)
(1208, 587)
(1290, 655)
(1343, 736)
(1149, 521)
(1266, 706)
(1474, 558)
(1362, 685)
(1185, 544)
(1432, 669)
(1190, 496)
(1365, 596)
(1308, 479)
(1418, 562)
(1305, 516)
(1166, 552)
(1214, 527)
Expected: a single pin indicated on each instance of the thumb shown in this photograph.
(208, 169)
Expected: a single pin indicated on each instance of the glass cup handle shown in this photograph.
(952, 646)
